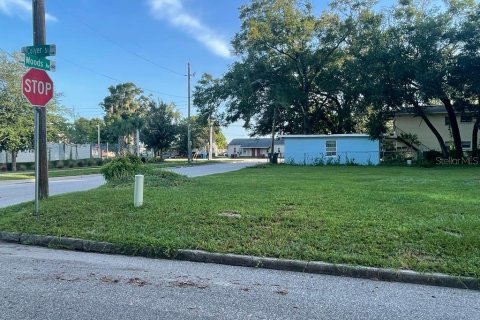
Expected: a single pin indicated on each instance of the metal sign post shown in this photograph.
(37, 157)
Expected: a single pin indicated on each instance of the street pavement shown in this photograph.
(18, 191)
(40, 283)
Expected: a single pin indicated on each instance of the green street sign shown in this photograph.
(39, 63)
(41, 51)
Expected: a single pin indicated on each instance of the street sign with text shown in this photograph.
(39, 63)
(37, 87)
(41, 51)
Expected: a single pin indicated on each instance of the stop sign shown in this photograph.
(37, 87)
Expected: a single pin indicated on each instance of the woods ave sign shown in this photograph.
(37, 87)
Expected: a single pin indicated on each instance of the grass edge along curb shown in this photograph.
(315, 267)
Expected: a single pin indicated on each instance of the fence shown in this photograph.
(63, 151)
(319, 158)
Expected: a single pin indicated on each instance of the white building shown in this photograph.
(254, 148)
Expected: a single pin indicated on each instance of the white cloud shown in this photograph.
(173, 12)
(21, 8)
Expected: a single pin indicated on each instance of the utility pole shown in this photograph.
(189, 141)
(99, 149)
(210, 142)
(272, 149)
(39, 38)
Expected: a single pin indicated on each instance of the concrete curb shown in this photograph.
(316, 267)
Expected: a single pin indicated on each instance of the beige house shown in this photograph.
(409, 123)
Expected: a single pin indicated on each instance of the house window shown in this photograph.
(465, 118)
(447, 121)
(234, 150)
(466, 144)
(331, 148)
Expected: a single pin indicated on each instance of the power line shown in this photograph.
(117, 80)
(102, 74)
(121, 46)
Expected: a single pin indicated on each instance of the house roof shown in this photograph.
(255, 143)
(347, 135)
(428, 110)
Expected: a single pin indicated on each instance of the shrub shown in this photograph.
(430, 157)
(155, 160)
(59, 165)
(122, 169)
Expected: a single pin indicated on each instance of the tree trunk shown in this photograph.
(306, 120)
(457, 139)
(14, 161)
(434, 130)
(476, 127)
(161, 153)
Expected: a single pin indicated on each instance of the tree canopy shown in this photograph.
(161, 126)
(125, 107)
(349, 68)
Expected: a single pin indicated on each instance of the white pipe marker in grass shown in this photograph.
(138, 191)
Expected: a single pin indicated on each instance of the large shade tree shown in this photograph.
(418, 60)
(286, 56)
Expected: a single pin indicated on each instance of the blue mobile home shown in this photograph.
(331, 149)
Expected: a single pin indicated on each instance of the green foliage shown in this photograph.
(432, 156)
(155, 160)
(293, 62)
(122, 169)
(84, 131)
(200, 133)
(160, 128)
(16, 114)
(163, 178)
(125, 108)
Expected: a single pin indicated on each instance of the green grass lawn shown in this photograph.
(425, 219)
(15, 176)
(52, 173)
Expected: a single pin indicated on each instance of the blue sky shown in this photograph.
(147, 42)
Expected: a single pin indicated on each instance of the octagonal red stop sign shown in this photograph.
(37, 87)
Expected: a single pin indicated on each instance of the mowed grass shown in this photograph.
(52, 173)
(425, 219)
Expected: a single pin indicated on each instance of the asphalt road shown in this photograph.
(18, 191)
(40, 283)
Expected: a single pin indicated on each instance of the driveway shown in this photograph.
(18, 191)
(208, 169)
